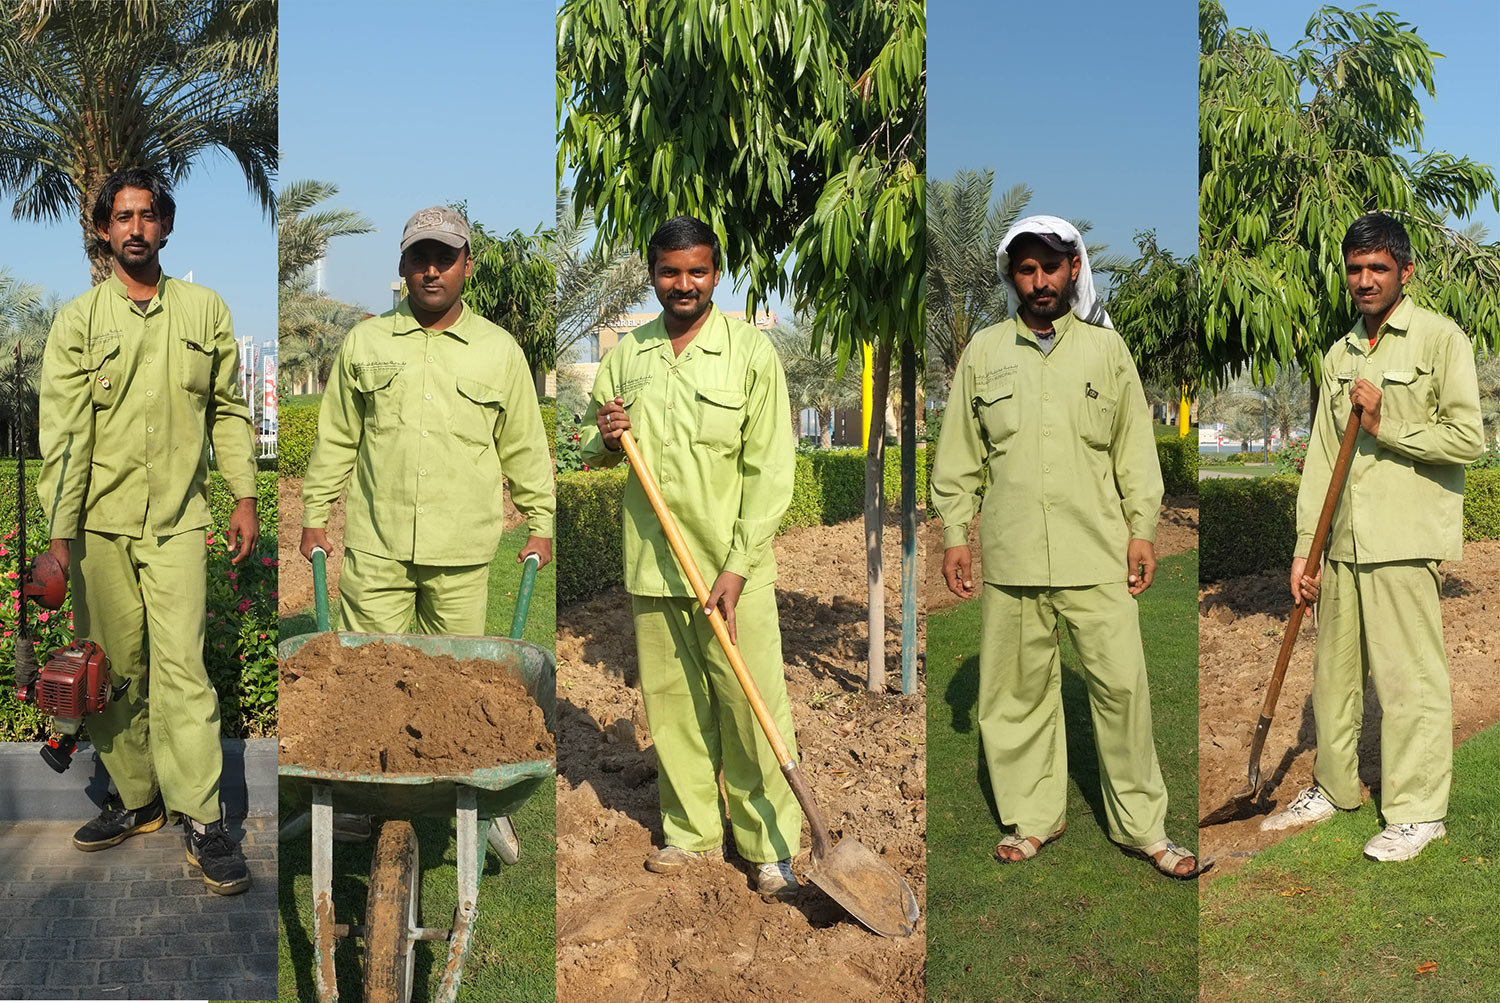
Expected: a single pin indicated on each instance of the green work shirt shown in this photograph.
(1073, 474)
(426, 421)
(1404, 497)
(714, 426)
(129, 401)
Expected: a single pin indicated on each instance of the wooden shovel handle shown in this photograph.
(1314, 558)
(695, 579)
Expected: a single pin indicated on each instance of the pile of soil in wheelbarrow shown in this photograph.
(1240, 625)
(388, 708)
(624, 933)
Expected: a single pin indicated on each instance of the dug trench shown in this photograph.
(626, 934)
(1241, 622)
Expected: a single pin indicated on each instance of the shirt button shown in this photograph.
(1046, 397)
(150, 393)
(148, 466)
(150, 429)
(424, 435)
(671, 405)
(1046, 470)
(430, 359)
(1046, 431)
(419, 508)
(422, 472)
(667, 443)
(429, 396)
(148, 358)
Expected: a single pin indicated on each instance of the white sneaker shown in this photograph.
(1403, 840)
(1309, 806)
(775, 879)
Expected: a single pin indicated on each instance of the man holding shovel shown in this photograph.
(707, 400)
(1050, 403)
(1410, 374)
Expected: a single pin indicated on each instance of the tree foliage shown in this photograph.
(25, 318)
(1156, 307)
(595, 288)
(1292, 148)
(310, 326)
(89, 88)
(813, 379)
(515, 285)
(302, 235)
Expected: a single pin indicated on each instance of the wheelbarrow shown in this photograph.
(482, 799)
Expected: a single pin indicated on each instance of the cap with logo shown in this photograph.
(438, 223)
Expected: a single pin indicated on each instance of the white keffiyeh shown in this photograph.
(1085, 303)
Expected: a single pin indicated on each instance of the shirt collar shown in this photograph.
(1060, 327)
(712, 337)
(405, 323)
(1399, 320)
(116, 285)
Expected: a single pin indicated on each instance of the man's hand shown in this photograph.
(957, 567)
(1140, 566)
(313, 537)
(541, 546)
(1366, 396)
(612, 420)
(60, 550)
(244, 529)
(725, 595)
(1304, 589)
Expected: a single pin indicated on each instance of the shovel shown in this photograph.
(851, 875)
(1243, 804)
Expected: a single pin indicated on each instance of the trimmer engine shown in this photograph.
(74, 682)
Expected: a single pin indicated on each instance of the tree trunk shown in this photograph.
(539, 380)
(874, 517)
(908, 518)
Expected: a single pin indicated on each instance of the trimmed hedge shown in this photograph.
(297, 428)
(1178, 457)
(549, 427)
(1250, 524)
(828, 487)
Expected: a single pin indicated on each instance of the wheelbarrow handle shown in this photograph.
(320, 587)
(523, 595)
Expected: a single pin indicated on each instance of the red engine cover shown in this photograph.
(74, 682)
(45, 581)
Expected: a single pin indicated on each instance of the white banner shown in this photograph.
(268, 400)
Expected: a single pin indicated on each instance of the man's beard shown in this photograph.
(1059, 306)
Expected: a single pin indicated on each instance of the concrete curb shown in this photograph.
(31, 792)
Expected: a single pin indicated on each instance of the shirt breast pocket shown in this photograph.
(721, 417)
(1408, 394)
(477, 412)
(379, 390)
(196, 367)
(103, 368)
(1096, 421)
(999, 413)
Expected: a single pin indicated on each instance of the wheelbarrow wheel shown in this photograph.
(504, 841)
(391, 915)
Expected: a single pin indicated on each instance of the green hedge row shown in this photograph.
(1178, 457)
(297, 428)
(1248, 525)
(828, 487)
(549, 427)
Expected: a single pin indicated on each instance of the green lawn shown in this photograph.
(515, 944)
(1170, 431)
(1311, 918)
(1081, 920)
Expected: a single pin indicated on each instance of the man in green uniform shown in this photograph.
(139, 374)
(426, 407)
(1052, 405)
(706, 399)
(1410, 374)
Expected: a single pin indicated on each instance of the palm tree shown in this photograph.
(965, 293)
(25, 317)
(89, 88)
(812, 379)
(302, 235)
(1282, 405)
(595, 288)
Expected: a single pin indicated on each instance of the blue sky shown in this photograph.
(1464, 119)
(407, 105)
(221, 236)
(1094, 107)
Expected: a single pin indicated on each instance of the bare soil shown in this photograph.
(625, 934)
(398, 710)
(1177, 531)
(1240, 626)
(295, 579)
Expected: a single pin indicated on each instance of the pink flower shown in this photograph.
(209, 540)
(44, 616)
(6, 634)
(232, 576)
(4, 552)
(244, 606)
(12, 574)
(234, 588)
(15, 593)
(269, 562)
(273, 595)
(261, 636)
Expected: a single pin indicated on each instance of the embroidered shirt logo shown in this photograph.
(630, 386)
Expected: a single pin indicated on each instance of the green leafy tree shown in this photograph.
(303, 232)
(814, 379)
(25, 317)
(1293, 147)
(796, 131)
(1280, 406)
(1156, 306)
(89, 88)
(515, 285)
(596, 287)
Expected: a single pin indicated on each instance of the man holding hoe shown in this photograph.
(1051, 404)
(707, 400)
(1409, 372)
(140, 374)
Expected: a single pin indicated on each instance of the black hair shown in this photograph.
(678, 234)
(135, 177)
(1375, 231)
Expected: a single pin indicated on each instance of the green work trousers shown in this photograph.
(704, 728)
(143, 601)
(1021, 709)
(379, 595)
(1381, 621)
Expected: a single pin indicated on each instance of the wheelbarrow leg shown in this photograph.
(470, 861)
(322, 880)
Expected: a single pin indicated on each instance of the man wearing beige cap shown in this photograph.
(426, 406)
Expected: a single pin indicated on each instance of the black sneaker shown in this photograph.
(218, 856)
(116, 823)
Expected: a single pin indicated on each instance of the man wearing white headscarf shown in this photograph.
(1050, 402)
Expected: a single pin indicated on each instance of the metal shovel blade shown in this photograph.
(869, 888)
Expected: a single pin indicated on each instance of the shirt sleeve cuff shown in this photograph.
(541, 524)
(955, 536)
(737, 563)
(1390, 433)
(1304, 545)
